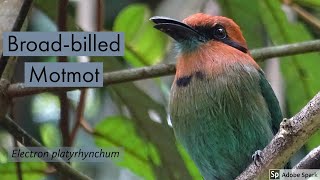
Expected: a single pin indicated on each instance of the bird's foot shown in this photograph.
(256, 157)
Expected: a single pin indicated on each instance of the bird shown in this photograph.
(222, 108)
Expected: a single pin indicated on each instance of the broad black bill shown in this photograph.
(175, 29)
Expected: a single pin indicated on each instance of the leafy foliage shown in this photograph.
(300, 72)
(119, 131)
(143, 45)
(50, 135)
(138, 104)
(30, 170)
(247, 17)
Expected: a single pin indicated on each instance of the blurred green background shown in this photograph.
(134, 115)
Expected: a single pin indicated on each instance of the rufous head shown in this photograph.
(199, 29)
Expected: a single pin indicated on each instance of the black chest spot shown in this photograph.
(183, 81)
(200, 75)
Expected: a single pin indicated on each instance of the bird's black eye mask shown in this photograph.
(219, 33)
(184, 33)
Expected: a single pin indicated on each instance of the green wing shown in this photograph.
(272, 102)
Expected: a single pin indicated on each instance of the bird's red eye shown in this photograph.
(220, 32)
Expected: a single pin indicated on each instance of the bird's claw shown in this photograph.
(256, 157)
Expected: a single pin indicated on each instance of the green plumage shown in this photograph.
(223, 120)
(272, 102)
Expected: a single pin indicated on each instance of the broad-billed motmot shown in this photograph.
(221, 106)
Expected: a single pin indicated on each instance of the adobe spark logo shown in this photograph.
(274, 174)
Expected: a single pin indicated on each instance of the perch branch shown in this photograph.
(286, 50)
(19, 90)
(311, 161)
(293, 134)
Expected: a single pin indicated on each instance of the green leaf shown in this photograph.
(313, 141)
(3, 155)
(144, 45)
(30, 170)
(50, 135)
(301, 72)
(190, 164)
(119, 131)
(246, 14)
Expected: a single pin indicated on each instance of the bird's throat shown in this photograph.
(187, 46)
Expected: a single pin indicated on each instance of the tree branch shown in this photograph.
(311, 161)
(64, 101)
(19, 172)
(19, 90)
(79, 116)
(25, 7)
(4, 84)
(286, 50)
(28, 141)
(293, 134)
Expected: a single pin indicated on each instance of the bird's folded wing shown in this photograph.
(272, 102)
